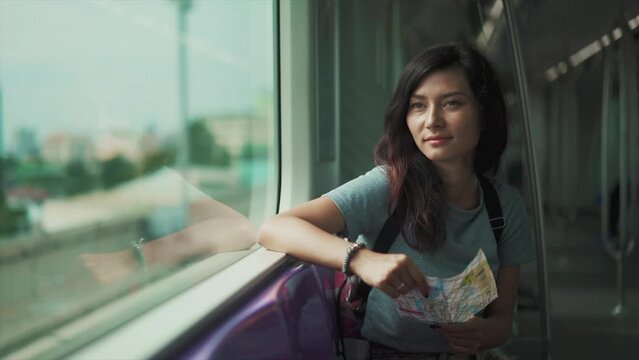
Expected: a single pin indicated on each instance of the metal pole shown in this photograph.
(553, 164)
(532, 170)
(337, 178)
(633, 143)
(605, 112)
(623, 170)
(183, 96)
(277, 40)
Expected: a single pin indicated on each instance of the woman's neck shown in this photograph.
(461, 185)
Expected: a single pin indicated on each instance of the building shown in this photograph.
(61, 149)
(26, 143)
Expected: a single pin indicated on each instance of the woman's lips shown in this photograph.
(439, 140)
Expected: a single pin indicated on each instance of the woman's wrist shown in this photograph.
(358, 259)
(495, 332)
(137, 248)
(351, 251)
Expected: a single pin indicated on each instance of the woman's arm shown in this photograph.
(212, 234)
(500, 313)
(496, 327)
(498, 318)
(306, 232)
(214, 228)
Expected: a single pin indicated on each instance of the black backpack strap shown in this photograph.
(387, 235)
(384, 241)
(493, 206)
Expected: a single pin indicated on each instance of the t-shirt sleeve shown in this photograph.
(363, 202)
(516, 245)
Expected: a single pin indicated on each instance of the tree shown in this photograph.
(116, 171)
(11, 220)
(3, 164)
(158, 159)
(201, 143)
(203, 148)
(252, 151)
(78, 178)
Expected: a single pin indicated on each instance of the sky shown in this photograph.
(84, 67)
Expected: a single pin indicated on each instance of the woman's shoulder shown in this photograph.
(377, 177)
(373, 184)
(363, 201)
(379, 173)
(509, 196)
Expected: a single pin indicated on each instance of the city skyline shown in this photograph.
(120, 71)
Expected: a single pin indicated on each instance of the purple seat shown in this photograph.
(293, 318)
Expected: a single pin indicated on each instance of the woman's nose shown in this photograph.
(433, 118)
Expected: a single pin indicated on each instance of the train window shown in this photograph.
(138, 143)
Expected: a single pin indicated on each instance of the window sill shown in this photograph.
(148, 333)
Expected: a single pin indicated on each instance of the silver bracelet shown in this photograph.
(350, 252)
(139, 253)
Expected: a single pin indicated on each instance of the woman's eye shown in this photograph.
(452, 104)
(417, 106)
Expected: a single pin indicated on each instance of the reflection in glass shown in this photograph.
(101, 147)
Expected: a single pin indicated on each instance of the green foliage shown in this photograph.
(203, 148)
(39, 174)
(221, 156)
(201, 143)
(3, 171)
(158, 159)
(116, 171)
(78, 178)
(11, 220)
(254, 151)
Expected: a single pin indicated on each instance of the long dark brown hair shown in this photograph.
(416, 189)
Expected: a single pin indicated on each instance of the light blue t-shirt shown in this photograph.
(364, 204)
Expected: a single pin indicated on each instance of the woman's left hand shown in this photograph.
(464, 338)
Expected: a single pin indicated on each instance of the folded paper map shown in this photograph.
(456, 299)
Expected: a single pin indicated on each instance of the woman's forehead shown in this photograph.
(445, 80)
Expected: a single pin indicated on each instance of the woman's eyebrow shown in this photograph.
(444, 95)
(453, 93)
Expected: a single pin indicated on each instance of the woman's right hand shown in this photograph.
(394, 274)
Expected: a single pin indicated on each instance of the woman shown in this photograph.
(445, 123)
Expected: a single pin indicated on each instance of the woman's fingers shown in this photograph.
(464, 338)
(463, 349)
(472, 324)
(396, 275)
(417, 278)
(390, 291)
(410, 277)
(464, 345)
(467, 342)
(406, 285)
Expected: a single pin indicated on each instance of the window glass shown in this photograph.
(137, 138)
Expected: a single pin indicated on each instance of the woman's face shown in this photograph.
(444, 118)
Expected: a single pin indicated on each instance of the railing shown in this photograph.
(542, 274)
